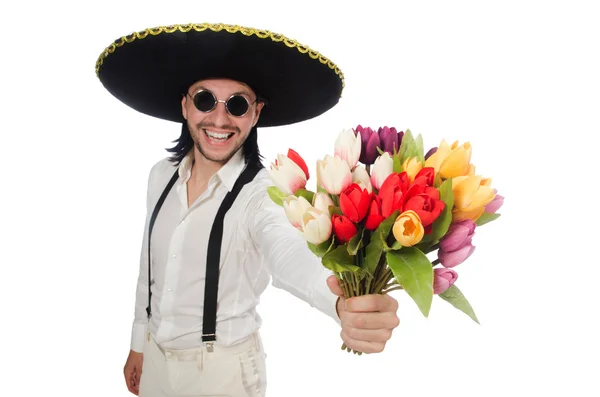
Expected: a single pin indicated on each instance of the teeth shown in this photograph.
(217, 135)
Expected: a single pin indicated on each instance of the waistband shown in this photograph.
(251, 342)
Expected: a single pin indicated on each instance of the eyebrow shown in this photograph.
(244, 92)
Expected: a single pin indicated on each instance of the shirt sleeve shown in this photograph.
(293, 267)
(140, 321)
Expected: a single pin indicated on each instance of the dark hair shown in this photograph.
(185, 143)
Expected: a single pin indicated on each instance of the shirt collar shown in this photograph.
(228, 174)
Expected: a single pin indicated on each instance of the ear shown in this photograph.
(183, 107)
(257, 110)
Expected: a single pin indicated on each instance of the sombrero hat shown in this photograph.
(151, 70)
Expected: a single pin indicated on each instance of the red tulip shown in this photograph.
(392, 193)
(424, 200)
(425, 176)
(354, 202)
(374, 217)
(343, 228)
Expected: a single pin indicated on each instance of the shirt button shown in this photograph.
(169, 290)
(174, 255)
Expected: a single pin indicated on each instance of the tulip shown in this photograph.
(458, 235)
(361, 177)
(425, 201)
(470, 197)
(383, 167)
(370, 142)
(348, 147)
(374, 216)
(322, 201)
(390, 139)
(287, 176)
(392, 193)
(334, 174)
(495, 204)
(294, 208)
(408, 229)
(296, 158)
(454, 258)
(430, 152)
(316, 226)
(451, 161)
(343, 228)
(412, 166)
(443, 279)
(425, 177)
(354, 202)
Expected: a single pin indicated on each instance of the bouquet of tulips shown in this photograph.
(382, 205)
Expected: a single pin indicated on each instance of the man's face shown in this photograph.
(218, 135)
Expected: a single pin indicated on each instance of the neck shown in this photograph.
(203, 169)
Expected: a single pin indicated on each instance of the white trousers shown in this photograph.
(235, 371)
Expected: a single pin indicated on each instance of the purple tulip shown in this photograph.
(458, 235)
(390, 138)
(454, 258)
(495, 204)
(443, 279)
(430, 152)
(370, 142)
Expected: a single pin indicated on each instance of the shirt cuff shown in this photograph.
(138, 335)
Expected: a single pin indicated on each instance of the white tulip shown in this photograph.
(322, 202)
(334, 174)
(347, 147)
(316, 226)
(382, 168)
(287, 176)
(361, 177)
(294, 208)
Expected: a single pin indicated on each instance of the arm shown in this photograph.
(293, 267)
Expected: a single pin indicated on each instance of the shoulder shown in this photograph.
(161, 172)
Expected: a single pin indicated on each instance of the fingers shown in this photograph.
(372, 303)
(133, 375)
(362, 345)
(375, 320)
(334, 286)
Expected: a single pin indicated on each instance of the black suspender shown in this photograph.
(214, 251)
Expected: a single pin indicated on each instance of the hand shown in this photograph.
(133, 371)
(367, 321)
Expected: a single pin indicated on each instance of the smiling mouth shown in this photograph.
(218, 136)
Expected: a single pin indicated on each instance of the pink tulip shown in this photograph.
(454, 258)
(458, 235)
(443, 279)
(495, 204)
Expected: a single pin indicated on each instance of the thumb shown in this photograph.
(334, 286)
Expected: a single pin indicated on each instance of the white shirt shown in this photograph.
(258, 243)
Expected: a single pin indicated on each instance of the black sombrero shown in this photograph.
(151, 70)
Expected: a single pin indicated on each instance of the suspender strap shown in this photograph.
(214, 256)
(152, 220)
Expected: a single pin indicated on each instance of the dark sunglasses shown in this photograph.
(236, 105)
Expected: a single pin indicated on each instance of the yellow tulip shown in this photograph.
(412, 166)
(471, 194)
(451, 161)
(408, 229)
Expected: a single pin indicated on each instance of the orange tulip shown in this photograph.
(408, 229)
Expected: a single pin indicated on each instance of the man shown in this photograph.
(213, 237)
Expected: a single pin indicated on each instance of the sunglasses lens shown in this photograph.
(237, 105)
(204, 101)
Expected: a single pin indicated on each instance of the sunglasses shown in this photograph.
(237, 105)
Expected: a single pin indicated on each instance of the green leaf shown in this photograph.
(487, 217)
(339, 260)
(408, 147)
(276, 195)
(375, 247)
(307, 194)
(456, 298)
(335, 210)
(321, 249)
(356, 243)
(395, 247)
(441, 224)
(414, 273)
(420, 154)
(397, 164)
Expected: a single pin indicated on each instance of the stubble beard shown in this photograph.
(196, 138)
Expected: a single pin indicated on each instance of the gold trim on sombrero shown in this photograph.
(263, 34)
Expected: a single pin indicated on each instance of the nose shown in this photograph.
(220, 115)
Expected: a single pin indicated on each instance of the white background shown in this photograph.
(517, 79)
